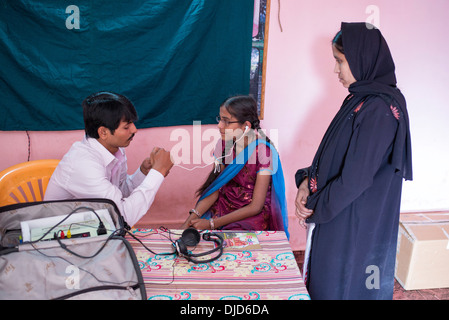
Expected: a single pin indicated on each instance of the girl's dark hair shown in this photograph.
(338, 42)
(106, 109)
(243, 108)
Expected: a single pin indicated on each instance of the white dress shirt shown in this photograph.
(89, 170)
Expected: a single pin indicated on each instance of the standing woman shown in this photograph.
(350, 196)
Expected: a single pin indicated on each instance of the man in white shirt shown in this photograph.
(96, 167)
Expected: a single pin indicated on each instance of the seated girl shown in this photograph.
(246, 190)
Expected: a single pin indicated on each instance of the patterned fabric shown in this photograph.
(269, 273)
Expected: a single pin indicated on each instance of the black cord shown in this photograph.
(101, 226)
(175, 261)
(63, 246)
(148, 249)
(100, 231)
(29, 145)
(118, 231)
(111, 236)
(134, 282)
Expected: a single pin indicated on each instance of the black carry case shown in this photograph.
(103, 266)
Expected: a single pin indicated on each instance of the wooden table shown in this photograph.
(269, 272)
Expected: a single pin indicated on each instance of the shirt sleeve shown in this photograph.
(139, 201)
(133, 203)
(131, 182)
(300, 175)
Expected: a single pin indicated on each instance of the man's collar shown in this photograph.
(105, 154)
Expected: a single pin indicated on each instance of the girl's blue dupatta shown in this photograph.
(278, 201)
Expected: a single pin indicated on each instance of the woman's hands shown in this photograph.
(301, 200)
(197, 223)
(200, 224)
(189, 222)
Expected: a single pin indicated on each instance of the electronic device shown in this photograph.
(191, 237)
(75, 225)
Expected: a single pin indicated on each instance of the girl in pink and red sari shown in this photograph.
(248, 190)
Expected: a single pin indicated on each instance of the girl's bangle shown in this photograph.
(212, 225)
(195, 212)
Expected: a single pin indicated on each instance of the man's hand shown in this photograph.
(145, 167)
(161, 161)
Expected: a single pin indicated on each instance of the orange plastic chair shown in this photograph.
(26, 182)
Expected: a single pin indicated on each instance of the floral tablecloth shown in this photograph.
(266, 273)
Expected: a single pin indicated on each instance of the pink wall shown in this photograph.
(302, 96)
(303, 93)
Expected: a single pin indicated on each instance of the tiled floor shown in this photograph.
(399, 292)
(427, 294)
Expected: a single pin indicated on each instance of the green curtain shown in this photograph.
(175, 59)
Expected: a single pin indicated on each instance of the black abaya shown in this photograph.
(356, 178)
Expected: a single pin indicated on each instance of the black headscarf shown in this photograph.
(372, 66)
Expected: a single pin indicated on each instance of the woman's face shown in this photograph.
(228, 124)
(342, 68)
